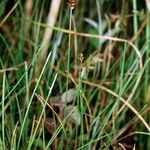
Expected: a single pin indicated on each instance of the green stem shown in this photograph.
(135, 20)
(68, 51)
(3, 110)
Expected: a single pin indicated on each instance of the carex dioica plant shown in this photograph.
(71, 4)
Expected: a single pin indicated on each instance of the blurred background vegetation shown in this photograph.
(101, 100)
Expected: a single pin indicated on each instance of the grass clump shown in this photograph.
(90, 89)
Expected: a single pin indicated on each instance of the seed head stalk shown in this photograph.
(68, 58)
(69, 43)
(69, 48)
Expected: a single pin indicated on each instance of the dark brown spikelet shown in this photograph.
(72, 3)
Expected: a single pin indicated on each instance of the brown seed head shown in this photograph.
(72, 3)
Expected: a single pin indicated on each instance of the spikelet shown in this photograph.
(72, 3)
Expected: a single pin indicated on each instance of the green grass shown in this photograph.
(101, 51)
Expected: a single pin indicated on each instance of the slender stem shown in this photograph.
(146, 90)
(147, 54)
(135, 20)
(69, 43)
(68, 51)
(3, 110)
(68, 62)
